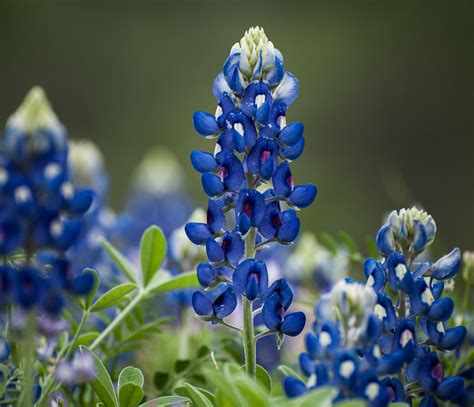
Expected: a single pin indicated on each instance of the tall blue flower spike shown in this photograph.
(402, 332)
(41, 211)
(249, 183)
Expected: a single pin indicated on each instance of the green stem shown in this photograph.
(141, 293)
(248, 334)
(49, 384)
(28, 360)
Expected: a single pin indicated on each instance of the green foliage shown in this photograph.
(113, 297)
(130, 387)
(152, 252)
(102, 383)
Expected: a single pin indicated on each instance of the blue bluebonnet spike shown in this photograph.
(252, 139)
(251, 278)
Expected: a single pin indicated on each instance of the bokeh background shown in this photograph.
(386, 92)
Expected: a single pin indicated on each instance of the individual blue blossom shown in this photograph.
(42, 211)
(253, 196)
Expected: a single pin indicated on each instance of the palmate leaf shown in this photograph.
(152, 252)
(102, 383)
(264, 378)
(288, 371)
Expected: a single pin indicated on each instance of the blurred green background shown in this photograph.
(386, 92)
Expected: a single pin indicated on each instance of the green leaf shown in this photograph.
(398, 405)
(130, 395)
(152, 252)
(131, 374)
(130, 383)
(87, 338)
(352, 403)
(195, 394)
(180, 365)
(165, 401)
(264, 378)
(102, 383)
(120, 261)
(90, 297)
(317, 398)
(288, 371)
(112, 297)
(178, 282)
(160, 379)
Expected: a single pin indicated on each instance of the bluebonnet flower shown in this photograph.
(248, 176)
(42, 213)
(80, 369)
(408, 327)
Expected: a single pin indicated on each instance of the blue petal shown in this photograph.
(283, 291)
(241, 274)
(420, 238)
(293, 387)
(205, 123)
(235, 247)
(384, 240)
(450, 387)
(220, 86)
(287, 90)
(275, 75)
(447, 266)
(307, 364)
(203, 161)
(71, 228)
(235, 173)
(82, 201)
(214, 251)
(293, 324)
(453, 338)
(282, 180)
(441, 309)
(212, 184)
(290, 226)
(198, 233)
(206, 275)
(215, 216)
(303, 195)
(293, 152)
(225, 303)
(201, 304)
(271, 312)
(291, 134)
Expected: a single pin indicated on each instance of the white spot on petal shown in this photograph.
(22, 194)
(52, 170)
(347, 368)
(400, 270)
(372, 391)
(406, 337)
(239, 128)
(324, 339)
(380, 311)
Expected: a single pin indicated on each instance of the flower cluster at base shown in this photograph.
(385, 342)
(41, 211)
(249, 176)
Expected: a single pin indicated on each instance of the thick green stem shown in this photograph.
(248, 334)
(28, 360)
